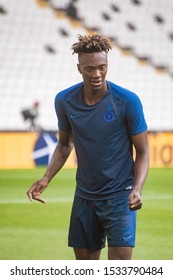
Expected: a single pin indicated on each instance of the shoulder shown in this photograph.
(128, 100)
(67, 93)
(123, 94)
(132, 109)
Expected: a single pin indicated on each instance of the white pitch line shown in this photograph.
(32, 176)
(23, 201)
(68, 199)
(157, 196)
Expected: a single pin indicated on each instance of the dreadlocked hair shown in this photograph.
(93, 43)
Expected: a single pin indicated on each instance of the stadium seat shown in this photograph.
(36, 60)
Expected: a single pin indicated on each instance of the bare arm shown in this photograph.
(141, 169)
(60, 155)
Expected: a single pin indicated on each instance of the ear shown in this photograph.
(79, 68)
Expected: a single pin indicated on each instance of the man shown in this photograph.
(31, 115)
(103, 120)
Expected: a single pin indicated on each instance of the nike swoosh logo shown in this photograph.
(74, 116)
(128, 188)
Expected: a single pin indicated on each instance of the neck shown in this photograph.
(91, 97)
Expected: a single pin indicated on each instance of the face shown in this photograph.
(93, 68)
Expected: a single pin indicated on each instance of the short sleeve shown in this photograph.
(135, 118)
(63, 122)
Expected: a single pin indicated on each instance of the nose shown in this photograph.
(96, 73)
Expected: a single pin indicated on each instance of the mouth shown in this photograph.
(96, 83)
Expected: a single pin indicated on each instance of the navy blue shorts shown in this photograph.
(95, 222)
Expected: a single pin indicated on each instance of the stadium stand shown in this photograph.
(36, 60)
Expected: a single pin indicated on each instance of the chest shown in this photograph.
(104, 119)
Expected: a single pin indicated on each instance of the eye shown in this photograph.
(89, 69)
(102, 67)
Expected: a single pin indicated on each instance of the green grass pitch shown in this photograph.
(38, 231)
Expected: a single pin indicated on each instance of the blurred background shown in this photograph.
(36, 62)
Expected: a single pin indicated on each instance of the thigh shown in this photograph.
(85, 254)
(120, 253)
(86, 231)
(119, 222)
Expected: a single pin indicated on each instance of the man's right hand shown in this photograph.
(36, 190)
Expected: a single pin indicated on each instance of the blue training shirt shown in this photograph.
(102, 138)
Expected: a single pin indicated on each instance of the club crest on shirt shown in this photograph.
(109, 116)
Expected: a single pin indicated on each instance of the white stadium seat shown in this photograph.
(36, 60)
